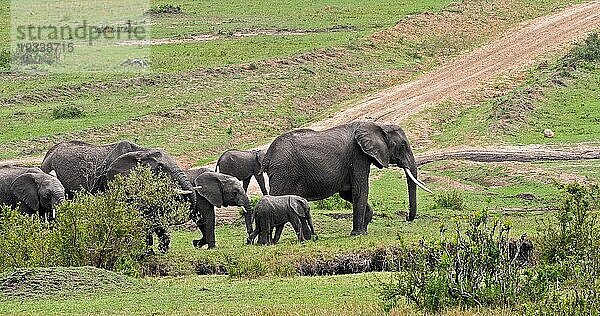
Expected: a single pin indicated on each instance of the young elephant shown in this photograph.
(215, 190)
(243, 165)
(275, 211)
(36, 192)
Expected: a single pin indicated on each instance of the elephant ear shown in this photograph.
(25, 188)
(210, 187)
(126, 162)
(298, 207)
(371, 139)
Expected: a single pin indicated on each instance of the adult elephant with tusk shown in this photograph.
(318, 164)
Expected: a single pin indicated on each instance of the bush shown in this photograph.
(586, 52)
(165, 9)
(478, 266)
(451, 200)
(67, 112)
(481, 266)
(98, 230)
(574, 233)
(567, 281)
(25, 241)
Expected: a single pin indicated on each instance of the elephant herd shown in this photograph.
(302, 165)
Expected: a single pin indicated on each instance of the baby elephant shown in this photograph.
(274, 211)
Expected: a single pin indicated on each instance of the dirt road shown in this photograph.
(517, 49)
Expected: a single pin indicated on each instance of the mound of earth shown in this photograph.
(60, 281)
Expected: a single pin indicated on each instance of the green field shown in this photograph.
(202, 98)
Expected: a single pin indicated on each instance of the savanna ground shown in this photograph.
(233, 91)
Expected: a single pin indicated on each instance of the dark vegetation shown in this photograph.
(165, 9)
(480, 266)
(66, 111)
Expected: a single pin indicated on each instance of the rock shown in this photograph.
(548, 133)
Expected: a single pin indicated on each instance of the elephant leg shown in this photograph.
(246, 183)
(260, 178)
(359, 209)
(264, 225)
(297, 224)
(252, 236)
(198, 243)
(164, 239)
(209, 228)
(278, 231)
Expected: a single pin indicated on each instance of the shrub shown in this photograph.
(98, 230)
(575, 230)
(165, 9)
(587, 51)
(67, 112)
(25, 241)
(477, 266)
(567, 280)
(153, 196)
(451, 200)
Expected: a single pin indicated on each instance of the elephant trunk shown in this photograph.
(248, 218)
(412, 192)
(185, 184)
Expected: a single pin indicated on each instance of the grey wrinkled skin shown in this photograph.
(243, 165)
(215, 190)
(316, 165)
(273, 212)
(79, 165)
(34, 190)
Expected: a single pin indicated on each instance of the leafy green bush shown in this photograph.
(25, 241)
(477, 266)
(587, 51)
(567, 280)
(480, 266)
(65, 111)
(451, 200)
(98, 230)
(575, 230)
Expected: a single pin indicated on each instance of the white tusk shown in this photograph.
(52, 173)
(53, 213)
(417, 182)
(183, 192)
(197, 188)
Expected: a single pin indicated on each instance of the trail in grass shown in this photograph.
(519, 48)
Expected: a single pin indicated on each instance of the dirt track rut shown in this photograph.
(517, 49)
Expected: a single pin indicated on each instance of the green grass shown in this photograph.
(571, 111)
(216, 295)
